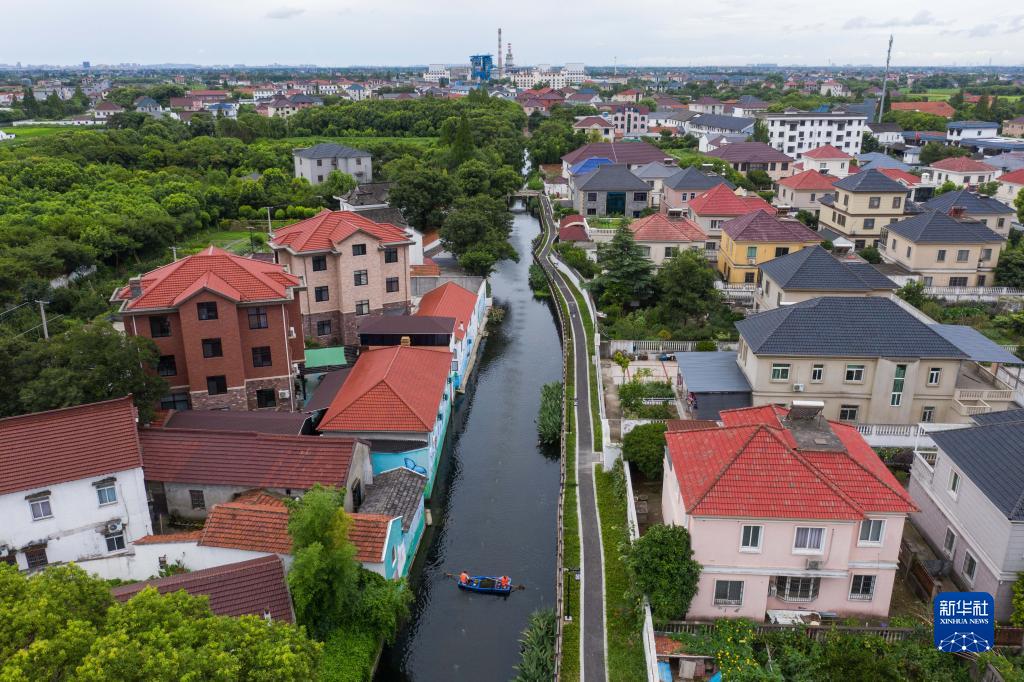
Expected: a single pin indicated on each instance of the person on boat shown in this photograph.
(464, 578)
(504, 582)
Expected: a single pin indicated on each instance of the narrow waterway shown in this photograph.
(494, 511)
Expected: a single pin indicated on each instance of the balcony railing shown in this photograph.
(995, 395)
(971, 407)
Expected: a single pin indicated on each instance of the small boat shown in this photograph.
(486, 585)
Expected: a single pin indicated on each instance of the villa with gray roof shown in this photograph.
(654, 174)
(686, 184)
(970, 491)
(611, 190)
(813, 272)
(944, 250)
(871, 360)
(863, 204)
(966, 204)
(316, 163)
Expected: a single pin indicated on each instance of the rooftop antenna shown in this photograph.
(885, 82)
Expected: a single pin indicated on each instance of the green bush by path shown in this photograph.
(538, 648)
(349, 655)
(549, 418)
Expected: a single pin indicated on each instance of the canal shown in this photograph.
(494, 511)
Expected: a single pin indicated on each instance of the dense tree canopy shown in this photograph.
(627, 274)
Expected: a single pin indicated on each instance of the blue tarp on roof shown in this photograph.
(974, 344)
(589, 165)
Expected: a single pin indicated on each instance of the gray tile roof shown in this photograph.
(613, 178)
(1001, 417)
(991, 457)
(974, 344)
(656, 170)
(398, 492)
(329, 150)
(733, 123)
(971, 202)
(933, 227)
(714, 372)
(693, 179)
(846, 327)
(815, 269)
(750, 152)
(870, 180)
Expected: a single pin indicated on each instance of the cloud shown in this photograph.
(922, 18)
(284, 12)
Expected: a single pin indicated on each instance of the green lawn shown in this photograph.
(942, 94)
(26, 133)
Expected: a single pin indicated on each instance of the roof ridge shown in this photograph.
(386, 380)
(901, 493)
(820, 475)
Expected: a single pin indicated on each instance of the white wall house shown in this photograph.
(795, 132)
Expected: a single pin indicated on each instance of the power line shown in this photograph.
(38, 326)
(11, 310)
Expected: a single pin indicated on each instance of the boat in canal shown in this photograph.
(486, 585)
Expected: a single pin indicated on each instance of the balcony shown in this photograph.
(977, 389)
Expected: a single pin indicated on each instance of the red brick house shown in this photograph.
(227, 329)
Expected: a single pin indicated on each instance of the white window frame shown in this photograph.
(784, 371)
(856, 412)
(114, 536)
(41, 501)
(112, 487)
(862, 369)
(928, 414)
(934, 376)
(806, 550)
(953, 488)
(859, 596)
(963, 567)
(950, 533)
(817, 374)
(753, 549)
(861, 542)
(727, 602)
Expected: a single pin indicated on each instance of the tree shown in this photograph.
(1018, 203)
(662, 567)
(477, 232)
(423, 194)
(336, 184)
(947, 186)
(462, 145)
(869, 143)
(1010, 270)
(760, 178)
(760, 133)
(626, 278)
(871, 255)
(913, 293)
(538, 648)
(645, 447)
(933, 151)
(807, 218)
(988, 188)
(686, 286)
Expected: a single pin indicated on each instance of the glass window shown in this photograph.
(780, 371)
(970, 566)
(897, 202)
(855, 373)
(106, 493)
(217, 385)
(817, 374)
(362, 307)
(174, 401)
(962, 255)
(896, 397)
(928, 414)
(391, 285)
(321, 294)
(390, 255)
(781, 251)
(197, 498)
(159, 327)
(934, 375)
(41, 508)
(361, 278)
(869, 223)
(265, 397)
(728, 592)
(797, 589)
(751, 252)
(323, 327)
(591, 196)
(359, 249)
(954, 483)
(261, 356)
(258, 318)
(809, 539)
(949, 542)
(941, 256)
(115, 541)
(212, 348)
(874, 202)
(319, 263)
(36, 556)
(750, 539)
(848, 413)
(207, 310)
(862, 587)
(670, 251)
(986, 254)
(957, 281)
(166, 366)
(639, 196)
(872, 531)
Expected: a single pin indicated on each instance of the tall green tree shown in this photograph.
(627, 274)
(760, 133)
(423, 194)
(1018, 203)
(477, 232)
(462, 145)
(1010, 270)
(686, 286)
(645, 447)
(662, 567)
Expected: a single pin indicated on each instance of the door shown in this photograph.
(615, 204)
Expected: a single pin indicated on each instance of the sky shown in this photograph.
(597, 32)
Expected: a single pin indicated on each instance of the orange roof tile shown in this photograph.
(809, 180)
(450, 300)
(256, 521)
(658, 227)
(908, 179)
(720, 201)
(398, 388)
(369, 533)
(327, 228)
(1014, 178)
(962, 164)
(827, 151)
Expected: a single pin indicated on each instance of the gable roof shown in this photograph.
(328, 150)
(233, 277)
(1015, 178)
(244, 458)
(990, 456)
(933, 227)
(691, 178)
(733, 123)
(613, 177)
(658, 227)
(962, 164)
(765, 227)
(971, 203)
(252, 587)
(1001, 417)
(573, 233)
(844, 326)
(369, 533)
(617, 152)
(878, 161)
(285, 423)
(938, 108)
(809, 180)
(72, 443)
(256, 521)
(656, 170)
(815, 269)
(589, 165)
(450, 300)
(720, 201)
(901, 176)
(327, 228)
(396, 492)
(588, 121)
(870, 180)
(826, 151)
(391, 389)
(749, 152)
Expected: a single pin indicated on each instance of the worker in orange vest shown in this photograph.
(464, 578)
(504, 581)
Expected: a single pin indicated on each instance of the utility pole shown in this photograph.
(885, 81)
(42, 314)
(174, 253)
(270, 228)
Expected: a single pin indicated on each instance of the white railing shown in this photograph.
(659, 346)
(988, 394)
(726, 286)
(977, 407)
(917, 436)
(974, 293)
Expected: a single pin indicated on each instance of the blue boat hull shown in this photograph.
(486, 585)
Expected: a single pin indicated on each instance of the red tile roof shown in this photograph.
(720, 201)
(827, 151)
(908, 179)
(391, 389)
(1015, 178)
(765, 227)
(658, 227)
(573, 219)
(369, 533)
(752, 468)
(450, 300)
(256, 521)
(573, 233)
(87, 441)
(809, 180)
(254, 460)
(690, 424)
(943, 109)
(234, 277)
(962, 164)
(327, 228)
(592, 121)
(428, 269)
(249, 587)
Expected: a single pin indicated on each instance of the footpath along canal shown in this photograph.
(494, 511)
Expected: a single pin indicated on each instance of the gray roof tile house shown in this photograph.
(611, 190)
(813, 272)
(970, 490)
(316, 163)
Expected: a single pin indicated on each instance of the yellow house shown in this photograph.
(756, 238)
(863, 204)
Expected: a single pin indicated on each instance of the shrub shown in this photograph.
(538, 648)
(645, 447)
(706, 346)
(662, 565)
(1017, 617)
(349, 654)
(538, 281)
(549, 420)
(871, 255)
(576, 258)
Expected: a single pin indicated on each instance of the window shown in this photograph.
(751, 252)
(321, 294)
(591, 211)
(212, 348)
(871, 531)
(869, 223)
(670, 251)
(928, 414)
(1001, 223)
(115, 541)
(639, 196)
(940, 257)
(896, 397)
(957, 281)
(848, 413)
(359, 249)
(780, 371)
(809, 540)
(166, 366)
(934, 375)
(750, 539)
(390, 255)
(261, 356)
(846, 200)
(897, 201)
(319, 263)
(40, 507)
(391, 285)
(970, 566)
(320, 162)
(323, 327)
(197, 498)
(874, 202)
(728, 592)
(981, 280)
(265, 397)
(36, 556)
(862, 587)
(954, 483)
(781, 251)
(716, 224)
(908, 251)
(217, 385)
(855, 373)
(207, 310)
(159, 327)
(817, 374)
(174, 401)
(797, 589)
(258, 318)
(362, 307)
(591, 196)
(106, 493)
(949, 542)
(360, 278)
(986, 254)
(962, 255)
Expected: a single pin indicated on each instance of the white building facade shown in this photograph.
(795, 132)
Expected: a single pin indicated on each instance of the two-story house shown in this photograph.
(749, 156)
(660, 237)
(803, 191)
(351, 266)
(708, 105)
(863, 204)
(469, 310)
(813, 272)
(961, 170)
(944, 250)
(684, 185)
(828, 160)
(595, 125)
(786, 511)
(969, 491)
(655, 174)
(316, 163)
(962, 203)
(871, 361)
(225, 327)
(71, 487)
(958, 132)
(717, 206)
(756, 238)
(1010, 186)
(611, 190)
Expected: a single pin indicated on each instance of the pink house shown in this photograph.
(786, 511)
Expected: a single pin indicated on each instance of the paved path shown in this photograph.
(592, 635)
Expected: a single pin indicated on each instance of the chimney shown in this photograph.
(957, 211)
(406, 341)
(135, 287)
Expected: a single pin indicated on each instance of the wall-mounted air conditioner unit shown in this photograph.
(813, 564)
(291, 332)
(798, 388)
(115, 527)
(284, 394)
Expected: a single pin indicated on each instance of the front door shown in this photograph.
(615, 203)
